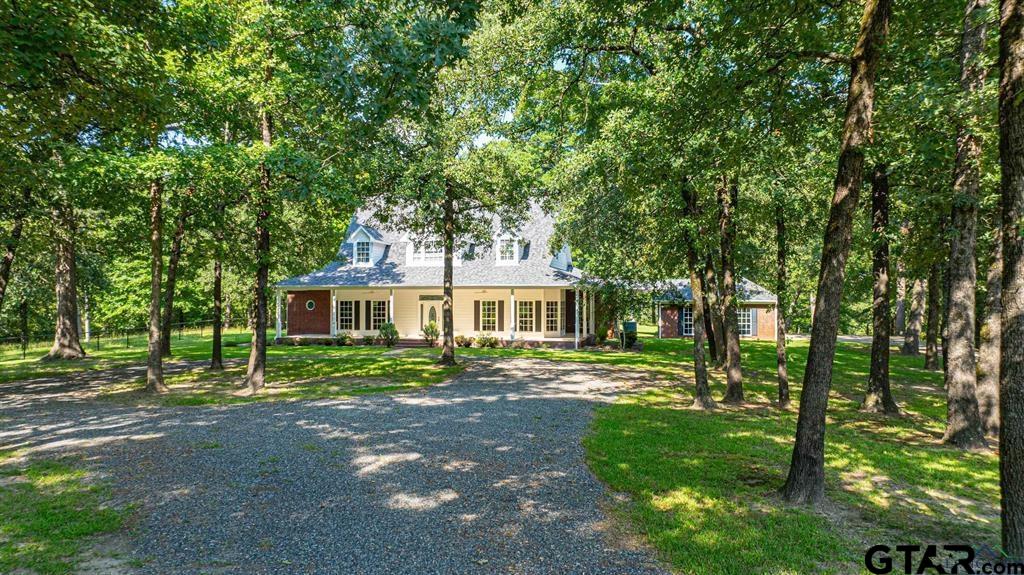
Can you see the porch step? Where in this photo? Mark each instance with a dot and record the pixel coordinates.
(407, 343)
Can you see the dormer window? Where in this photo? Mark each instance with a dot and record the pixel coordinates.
(507, 250)
(427, 252)
(362, 253)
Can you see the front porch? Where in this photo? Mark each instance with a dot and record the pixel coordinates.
(558, 316)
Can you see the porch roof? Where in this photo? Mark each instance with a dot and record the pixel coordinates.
(393, 273)
(746, 291)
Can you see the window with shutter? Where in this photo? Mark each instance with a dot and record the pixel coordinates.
(488, 316)
(525, 315)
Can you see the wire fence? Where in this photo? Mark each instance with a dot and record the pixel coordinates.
(122, 337)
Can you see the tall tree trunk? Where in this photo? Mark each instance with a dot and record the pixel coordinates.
(66, 342)
(702, 392)
(172, 279)
(728, 194)
(988, 354)
(154, 363)
(963, 419)
(712, 291)
(931, 342)
(709, 328)
(217, 353)
(806, 480)
(1011, 363)
(11, 245)
(944, 329)
(912, 335)
(447, 320)
(780, 305)
(879, 395)
(900, 319)
(257, 369)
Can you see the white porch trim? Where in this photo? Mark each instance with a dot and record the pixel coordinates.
(277, 320)
(334, 313)
(576, 302)
(513, 315)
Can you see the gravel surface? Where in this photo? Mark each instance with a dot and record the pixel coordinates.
(484, 474)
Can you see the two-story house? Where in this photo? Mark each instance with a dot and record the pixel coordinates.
(511, 287)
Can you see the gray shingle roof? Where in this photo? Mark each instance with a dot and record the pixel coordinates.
(535, 268)
(746, 290)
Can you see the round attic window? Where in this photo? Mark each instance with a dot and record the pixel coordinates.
(310, 304)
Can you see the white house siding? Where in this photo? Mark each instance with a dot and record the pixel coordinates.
(406, 311)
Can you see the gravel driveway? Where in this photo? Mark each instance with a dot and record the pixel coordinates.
(484, 474)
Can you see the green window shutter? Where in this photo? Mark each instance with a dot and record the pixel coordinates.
(369, 313)
(538, 310)
(476, 315)
(501, 315)
(355, 315)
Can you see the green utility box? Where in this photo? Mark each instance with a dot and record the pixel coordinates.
(627, 335)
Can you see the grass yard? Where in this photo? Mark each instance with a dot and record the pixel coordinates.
(48, 512)
(296, 373)
(703, 484)
(306, 372)
(110, 353)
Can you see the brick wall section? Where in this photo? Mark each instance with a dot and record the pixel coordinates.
(765, 322)
(301, 321)
(669, 321)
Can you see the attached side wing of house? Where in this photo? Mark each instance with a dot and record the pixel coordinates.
(755, 310)
(512, 287)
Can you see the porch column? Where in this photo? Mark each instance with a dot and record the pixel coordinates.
(334, 314)
(513, 315)
(277, 321)
(391, 306)
(576, 300)
(586, 314)
(659, 320)
(593, 314)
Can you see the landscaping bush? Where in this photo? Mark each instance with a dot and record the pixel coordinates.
(463, 341)
(343, 339)
(389, 334)
(487, 341)
(431, 333)
(367, 340)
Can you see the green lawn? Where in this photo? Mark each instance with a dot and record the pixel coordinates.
(703, 484)
(305, 372)
(109, 353)
(309, 372)
(47, 512)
